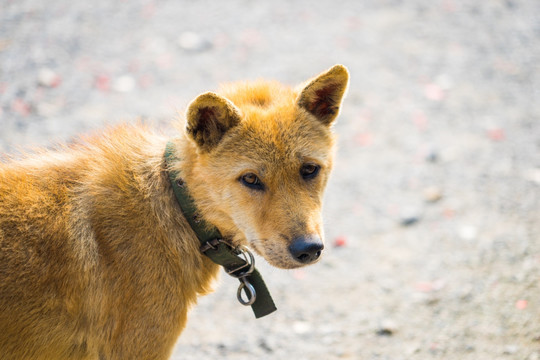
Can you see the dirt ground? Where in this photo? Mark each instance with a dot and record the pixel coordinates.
(433, 211)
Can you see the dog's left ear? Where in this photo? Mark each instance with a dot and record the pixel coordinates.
(322, 96)
(209, 117)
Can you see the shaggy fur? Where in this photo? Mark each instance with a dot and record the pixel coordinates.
(96, 258)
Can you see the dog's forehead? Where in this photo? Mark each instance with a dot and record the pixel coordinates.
(279, 140)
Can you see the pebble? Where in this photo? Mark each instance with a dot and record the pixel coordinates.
(263, 344)
(510, 349)
(430, 286)
(432, 194)
(48, 78)
(409, 216)
(192, 41)
(102, 82)
(468, 232)
(434, 92)
(496, 134)
(432, 156)
(521, 304)
(301, 327)
(340, 241)
(124, 84)
(532, 175)
(387, 328)
(21, 107)
(412, 349)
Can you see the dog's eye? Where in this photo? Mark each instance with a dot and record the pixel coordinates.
(309, 171)
(252, 181)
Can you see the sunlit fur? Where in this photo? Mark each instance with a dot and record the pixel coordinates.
(96, 259)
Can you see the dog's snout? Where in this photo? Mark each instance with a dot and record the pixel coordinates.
(306, 249)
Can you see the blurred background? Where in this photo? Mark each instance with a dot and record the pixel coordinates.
(433, 211)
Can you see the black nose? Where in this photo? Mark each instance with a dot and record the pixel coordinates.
(306, 249)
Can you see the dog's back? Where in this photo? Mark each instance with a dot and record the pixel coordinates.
(35, 259)
(87, 251)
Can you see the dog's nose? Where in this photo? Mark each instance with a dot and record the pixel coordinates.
(306, 249)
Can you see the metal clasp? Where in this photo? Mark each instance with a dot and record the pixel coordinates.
(241, 272)
(211, 244)
(249, 289)
(248, 258)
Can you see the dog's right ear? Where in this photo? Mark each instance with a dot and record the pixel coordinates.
(209, 117)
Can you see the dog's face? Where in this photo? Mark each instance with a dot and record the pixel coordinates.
(266, 152)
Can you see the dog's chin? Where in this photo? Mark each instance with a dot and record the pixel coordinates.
(285, 265)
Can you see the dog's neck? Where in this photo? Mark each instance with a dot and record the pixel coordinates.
(190, 163)
(237, 261)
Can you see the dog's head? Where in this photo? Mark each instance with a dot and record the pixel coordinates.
(264, 152)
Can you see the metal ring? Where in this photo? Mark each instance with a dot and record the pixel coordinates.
(249, 263)
(250, 292)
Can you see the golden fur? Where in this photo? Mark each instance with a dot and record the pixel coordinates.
(96, 258)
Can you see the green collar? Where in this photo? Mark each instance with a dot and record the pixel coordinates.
(237, 261)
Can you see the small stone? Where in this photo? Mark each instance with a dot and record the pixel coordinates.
(21, 107)
(533, 175)
(468, 232)
(102, 82)
(510, 350)
(432, 156)
(432, 194)
(409, 216)
(263, 344)
(521, 304)
(496, 134)
(48, 78)
(301, 327)
(412, 349)
(340, 241)
(384, 332)
(124, 84)
(191, 41)
(387, 328)
(430, 286)
(434, 92)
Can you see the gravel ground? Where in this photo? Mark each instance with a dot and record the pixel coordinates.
(433, 212)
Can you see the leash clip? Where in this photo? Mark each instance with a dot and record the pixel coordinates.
(251, 294)
(249, 263)
(240, 272)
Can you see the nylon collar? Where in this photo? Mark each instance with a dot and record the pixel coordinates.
(237, 261)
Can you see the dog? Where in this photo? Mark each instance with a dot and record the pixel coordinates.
(98, 261)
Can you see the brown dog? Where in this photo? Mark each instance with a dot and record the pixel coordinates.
(96, 258)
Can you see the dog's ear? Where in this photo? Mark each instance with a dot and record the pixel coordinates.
(209, 117)
(322, 96)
